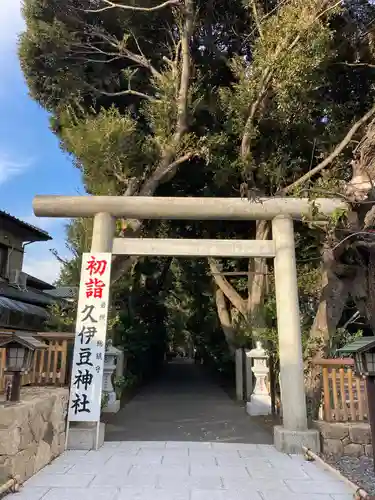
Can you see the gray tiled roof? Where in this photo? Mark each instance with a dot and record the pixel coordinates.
(31, 295)
(63, 292)
(25, 225)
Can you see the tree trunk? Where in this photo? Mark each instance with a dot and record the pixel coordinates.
(334, 295)
(257, 283)
(225, 320)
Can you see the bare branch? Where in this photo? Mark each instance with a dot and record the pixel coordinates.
(160, 173)
(56, 254)
(123, 92)
(358, 65)
(113, 5)
(182, 104)
(131, 187)
(338, 150)
(256, 18)
(102, 61)
(246, 137)
(120, 51)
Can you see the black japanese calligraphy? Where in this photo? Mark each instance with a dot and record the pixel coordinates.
(84, 357)
(80, 404)
(87, 333)
(88, 310)
(83, 379)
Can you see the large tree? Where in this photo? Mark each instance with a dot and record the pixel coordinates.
(212, 98)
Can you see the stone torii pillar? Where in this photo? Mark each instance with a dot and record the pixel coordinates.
(294, 433)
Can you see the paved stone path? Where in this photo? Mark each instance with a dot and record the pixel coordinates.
(183, 471)
(185, 405)
(183, 439)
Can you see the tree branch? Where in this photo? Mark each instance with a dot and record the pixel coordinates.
(232, 295)
(123, 92)
(359, 64)
(161, 173)
(168, 164)
(183, 95)
(256, 18)
(284, 48)
(113, 5)
(338, 150)
(121, 51)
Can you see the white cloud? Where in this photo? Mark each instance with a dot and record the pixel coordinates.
(46, 269)
(10, 168)
(45, 223)
(40, 262)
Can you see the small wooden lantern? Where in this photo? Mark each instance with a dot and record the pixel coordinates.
(19, 356)
(363, 351)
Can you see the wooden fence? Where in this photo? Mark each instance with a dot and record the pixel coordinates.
(344, 393)
(51, 366)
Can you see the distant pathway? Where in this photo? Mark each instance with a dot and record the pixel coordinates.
(184, 405)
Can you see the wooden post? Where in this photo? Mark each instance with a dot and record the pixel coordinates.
(15, 392)
(370, 385)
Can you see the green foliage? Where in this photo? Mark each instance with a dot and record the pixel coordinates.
(112, 83)
(104, 400)
(293, 46)
(108, 148)
(127, 381)
(62, 317)
(341, 337)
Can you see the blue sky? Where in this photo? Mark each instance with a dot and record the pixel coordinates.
(30, 159)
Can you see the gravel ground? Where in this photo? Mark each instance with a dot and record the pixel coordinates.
(359, 470)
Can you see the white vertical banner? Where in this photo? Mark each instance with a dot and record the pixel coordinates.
(90, 338)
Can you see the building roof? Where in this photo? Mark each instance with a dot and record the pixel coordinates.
(38, 283)
(64, 292)
(31, 295)
(42, 235)
(358, 345)
(23, 307)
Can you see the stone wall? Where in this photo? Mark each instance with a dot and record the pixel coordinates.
(32, 432)
(345, 438)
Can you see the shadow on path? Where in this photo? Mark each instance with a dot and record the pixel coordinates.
(184, 405)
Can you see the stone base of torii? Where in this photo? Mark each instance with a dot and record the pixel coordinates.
(294, 433)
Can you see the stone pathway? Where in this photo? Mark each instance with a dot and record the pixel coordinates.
(182, 471)
(184, 405)
(183, 438)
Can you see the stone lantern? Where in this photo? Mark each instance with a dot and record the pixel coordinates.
(19, 354)
(111, 356)
(260, 400)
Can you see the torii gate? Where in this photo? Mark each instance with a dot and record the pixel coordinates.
(294, 433)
